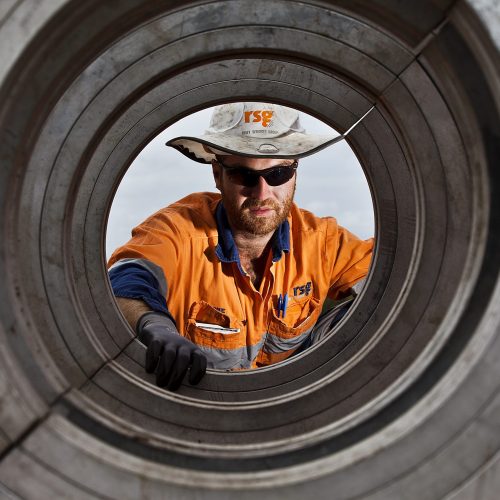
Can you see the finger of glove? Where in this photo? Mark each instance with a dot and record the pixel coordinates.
(166, 365)
(153, 353)
(180, 368)
(198, 367)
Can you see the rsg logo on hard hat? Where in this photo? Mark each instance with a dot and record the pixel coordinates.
(260, 129)
(259, 116)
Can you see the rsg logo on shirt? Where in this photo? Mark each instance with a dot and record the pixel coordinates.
(300, 290)
(259, 116)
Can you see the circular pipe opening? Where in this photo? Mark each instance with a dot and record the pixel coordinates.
(329, 183)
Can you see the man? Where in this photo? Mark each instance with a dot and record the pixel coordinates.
(236, 280)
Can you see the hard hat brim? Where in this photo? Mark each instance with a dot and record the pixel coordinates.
(294, 145)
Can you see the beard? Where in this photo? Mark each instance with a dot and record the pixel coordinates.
(244, 220)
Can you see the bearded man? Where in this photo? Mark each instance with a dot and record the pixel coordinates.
(237, 280)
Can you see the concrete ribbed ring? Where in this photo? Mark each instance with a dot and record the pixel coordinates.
(408, 381)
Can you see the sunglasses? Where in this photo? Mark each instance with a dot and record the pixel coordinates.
(274, 176)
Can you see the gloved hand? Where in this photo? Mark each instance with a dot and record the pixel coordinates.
(168, 353)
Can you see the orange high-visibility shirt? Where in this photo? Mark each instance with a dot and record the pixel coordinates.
(188, 246)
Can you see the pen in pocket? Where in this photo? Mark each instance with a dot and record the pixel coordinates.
(282, 305)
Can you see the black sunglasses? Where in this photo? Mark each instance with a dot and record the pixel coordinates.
(274, 176)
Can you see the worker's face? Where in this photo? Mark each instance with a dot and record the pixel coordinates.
(259, 209)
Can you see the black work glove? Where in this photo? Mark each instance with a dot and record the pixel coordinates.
(168, 353)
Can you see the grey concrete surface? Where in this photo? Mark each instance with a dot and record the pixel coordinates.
(401, 401)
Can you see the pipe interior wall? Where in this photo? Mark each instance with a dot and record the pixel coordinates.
(401, 400)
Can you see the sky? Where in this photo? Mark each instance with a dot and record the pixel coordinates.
(329, 183)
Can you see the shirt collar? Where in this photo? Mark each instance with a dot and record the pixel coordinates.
(226, 249)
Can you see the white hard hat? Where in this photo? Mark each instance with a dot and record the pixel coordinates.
(255, 129)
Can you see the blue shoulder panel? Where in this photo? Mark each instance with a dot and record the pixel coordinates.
(133, 281)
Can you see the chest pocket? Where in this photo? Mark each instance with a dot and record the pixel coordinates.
(206, 326)
(300, 317)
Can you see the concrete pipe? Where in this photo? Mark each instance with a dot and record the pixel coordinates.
(401, 400)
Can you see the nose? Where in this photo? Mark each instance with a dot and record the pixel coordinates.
(262, 190)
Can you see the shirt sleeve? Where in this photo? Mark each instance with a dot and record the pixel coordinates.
(144, 267)
(352, 260)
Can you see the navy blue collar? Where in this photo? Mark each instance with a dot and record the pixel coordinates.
(226, 249)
